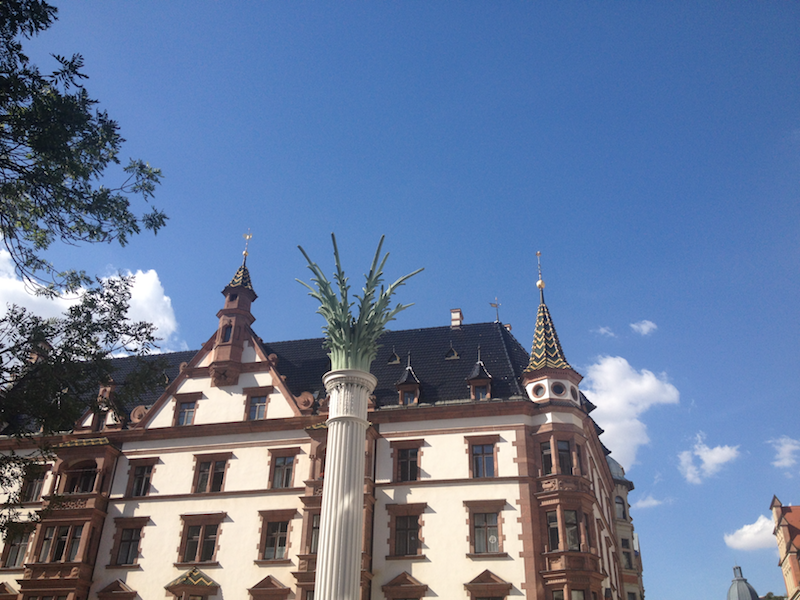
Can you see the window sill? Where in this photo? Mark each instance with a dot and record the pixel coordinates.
(133, 567)
(407, 557)
(209, 563)
(275, 561)
(19, 569)
(490, 555)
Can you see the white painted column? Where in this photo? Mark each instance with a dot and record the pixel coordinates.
(341, 527)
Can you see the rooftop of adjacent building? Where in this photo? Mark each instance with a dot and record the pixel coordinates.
(740, 589)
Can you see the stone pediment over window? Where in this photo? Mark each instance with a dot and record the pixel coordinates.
(116, 590)
(269, 588)
(404, 586)
(193, 583)
(7, 592)
(488, 585)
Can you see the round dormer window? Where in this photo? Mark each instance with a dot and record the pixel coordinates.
(558, 389)
(538, 390)
(574, 393)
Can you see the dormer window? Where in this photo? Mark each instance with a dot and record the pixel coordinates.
(480, 381)
(408, 386)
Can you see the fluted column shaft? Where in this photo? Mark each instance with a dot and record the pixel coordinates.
(342, 519)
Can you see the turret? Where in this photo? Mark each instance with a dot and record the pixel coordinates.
(548, 375)
(234, 324)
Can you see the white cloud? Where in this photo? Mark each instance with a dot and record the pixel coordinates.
(148, 302)
(711, 460)
(753, 536)
(622, 395)
(787, 452)
(644, 327)
(606, 331)
(647, 502)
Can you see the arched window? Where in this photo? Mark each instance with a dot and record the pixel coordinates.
(620, 506)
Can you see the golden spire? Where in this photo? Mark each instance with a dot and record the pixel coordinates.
(540, 283)
(247, 237)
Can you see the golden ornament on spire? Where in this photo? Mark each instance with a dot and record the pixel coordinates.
(247, 237)
(540, 283)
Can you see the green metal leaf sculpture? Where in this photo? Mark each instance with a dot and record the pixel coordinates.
(353, 341)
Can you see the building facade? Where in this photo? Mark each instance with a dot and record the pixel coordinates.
(787, 534)
(485, 477)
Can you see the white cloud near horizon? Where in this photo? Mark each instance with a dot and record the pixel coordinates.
(647, 502)
(149, 301)
(787, 452)
(754, 536)
(711, 460)
(644, 327)
(606, 331)
(622, 396)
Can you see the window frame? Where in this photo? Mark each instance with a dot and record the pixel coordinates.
(122, 524)
(70, 542)
(565, 462)
(41, 471)
(180, 400)
(133, 465)
(405, 511)
(402, 445)
(483, 507)
(275, 454)
(484, 440)
(620, 507)
(271, 517)
(203, 521)
(20, 548)
(212, 460)
(251, 394)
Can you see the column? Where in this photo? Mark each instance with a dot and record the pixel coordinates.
(342, 520)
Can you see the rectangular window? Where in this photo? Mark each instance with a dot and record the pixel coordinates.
(275, 546)
(587, 523)
(407, 464)
(141, 480)
(276, 529)
(552, 531)
(483, 460)
(201, 542)
(15, 547)
(34, 483)
(580, 458)
(547, 459)
(186, 411)
(631, 595)
(210, 476)
(81, 481)
(60, 543)
(129, 546)
(314, 543)
(408, 397)
(481, 392)
(558, 594)
(257, 408)
(627, 561)
(564, 458)
(571, 529)
(282, 471)
(577, 595)
(485, 529)
(406, 535)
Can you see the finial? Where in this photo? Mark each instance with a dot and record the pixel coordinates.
(496, 306)
(479, 353)
(408, 366)
(247, 237)
(540, 283)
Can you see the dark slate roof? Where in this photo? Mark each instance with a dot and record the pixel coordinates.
(408, 376)
(170, 363)
(304, 362)
(478, 372)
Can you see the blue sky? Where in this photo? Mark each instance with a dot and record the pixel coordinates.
(651, 151)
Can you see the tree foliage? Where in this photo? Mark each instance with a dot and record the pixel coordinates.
(55, 146)
(353, 341)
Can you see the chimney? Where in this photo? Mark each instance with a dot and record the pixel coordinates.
(456, 318)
